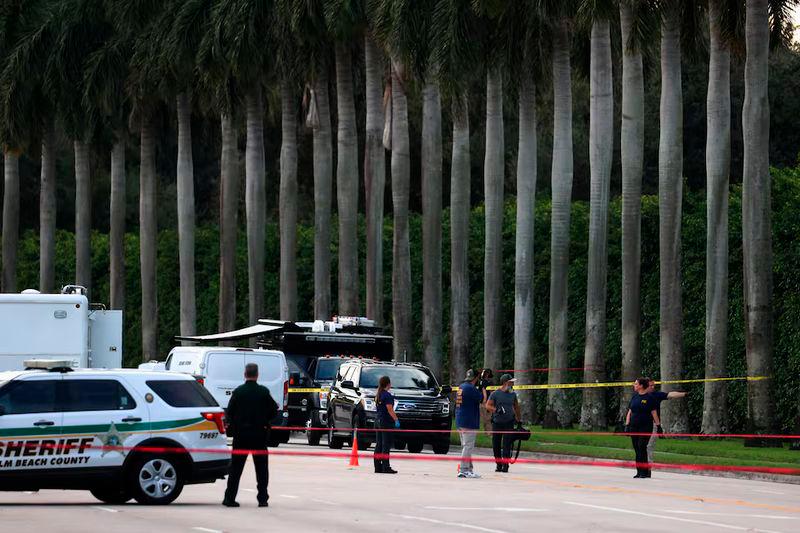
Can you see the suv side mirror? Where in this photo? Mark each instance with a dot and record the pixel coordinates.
(348, 385)
(446, 389)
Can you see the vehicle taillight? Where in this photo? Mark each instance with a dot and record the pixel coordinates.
(218, 418)
(285, 395)
(200, 379)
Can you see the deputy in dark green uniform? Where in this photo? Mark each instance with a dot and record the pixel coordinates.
(250, 411)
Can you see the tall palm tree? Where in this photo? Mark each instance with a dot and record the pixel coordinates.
(670, 184)
(288, 203)
(374, 174)
(455, 52)
(634, 17)
(10, 219)
(718, 165)
(308, 25)
(47, 210)
(83, 215)
(345, 20)
(601, 130)
(561, 190)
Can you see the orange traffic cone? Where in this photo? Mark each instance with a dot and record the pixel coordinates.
(354, 452)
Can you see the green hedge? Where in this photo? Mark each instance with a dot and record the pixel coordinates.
(786, 199)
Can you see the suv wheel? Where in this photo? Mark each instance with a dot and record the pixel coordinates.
(415, 447)
(441, 448)
(111, 495)
(334, 442)
(363, 441)
(155, 479)
(313, 435)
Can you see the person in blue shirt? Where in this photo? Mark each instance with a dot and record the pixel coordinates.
(387, 421)
(468, 421)
(639, 420)
(658, 397)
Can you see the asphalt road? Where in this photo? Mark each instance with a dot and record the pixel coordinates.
(318, 494)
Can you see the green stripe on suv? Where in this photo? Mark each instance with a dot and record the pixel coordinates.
(99, 428)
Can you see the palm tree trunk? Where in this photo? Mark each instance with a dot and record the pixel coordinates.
(117, 224)
(674, 415)
(718, 167)
(47, 210)
(523, 264)
(288, 205)
(83, 216)
(632, 155)
(148, 240)
(756, 218)
(255, 199)
(459, 240)
(229, 206)
(558, 412)
(601, 131)
(432, 228)
(347, 183)
(185, 175)
(401, 257)
(10, 221)
(323, 170)
(493, 177)
(374, 177)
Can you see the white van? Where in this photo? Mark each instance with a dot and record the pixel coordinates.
(221, 369)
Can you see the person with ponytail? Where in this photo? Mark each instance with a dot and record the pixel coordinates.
(385, 422)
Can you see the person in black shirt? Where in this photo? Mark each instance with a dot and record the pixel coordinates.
(487, 376)
(658, 397)
(250, 411)
(641, 416)
(387, 421)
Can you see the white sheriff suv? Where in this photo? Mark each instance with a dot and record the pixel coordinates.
(120, 434)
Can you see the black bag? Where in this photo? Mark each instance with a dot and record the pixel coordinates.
(520, 434)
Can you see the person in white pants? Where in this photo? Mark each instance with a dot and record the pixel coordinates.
(468, 421)
(658, 397)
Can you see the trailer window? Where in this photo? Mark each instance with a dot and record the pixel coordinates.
(182, 393)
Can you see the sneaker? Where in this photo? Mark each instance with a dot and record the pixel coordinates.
(473, 475)
(463, 474)
(499, 468)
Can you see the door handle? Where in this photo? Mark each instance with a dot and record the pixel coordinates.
(41, 423)
(132, 419)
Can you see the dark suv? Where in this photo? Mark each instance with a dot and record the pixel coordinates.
(421, 404)
(323, 374)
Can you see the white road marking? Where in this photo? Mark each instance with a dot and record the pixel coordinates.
(290, 496)
(506, 509)
(198, 528)
(106, 509)
(735, 515)
(667, 517)
(765, 491)
(324, 502)
(451, 524)
(249, 490)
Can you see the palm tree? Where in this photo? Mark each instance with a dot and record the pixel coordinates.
(455, 52)
(10, 219)
(374, 174)
(601, 129)
(308, 25)
(756, 225)
(288, 203)
(634, 16)
(562, 164)
(718, 164)
(345, 19)
(47, 210)
(83, 215)
(670, 183)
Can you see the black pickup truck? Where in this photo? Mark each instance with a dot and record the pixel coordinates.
(421, 404)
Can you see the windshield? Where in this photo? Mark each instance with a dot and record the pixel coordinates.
(327, 368)
(401, 377)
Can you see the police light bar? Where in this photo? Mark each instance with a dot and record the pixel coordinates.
(49, 364)
(354, 321)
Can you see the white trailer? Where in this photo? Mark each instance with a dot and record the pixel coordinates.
(58, 326)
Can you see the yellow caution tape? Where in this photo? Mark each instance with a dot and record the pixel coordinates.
(624, 383)
(311, 389)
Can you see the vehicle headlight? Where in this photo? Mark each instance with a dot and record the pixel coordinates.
(370, 405)
(445, 406)
(323, 400)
